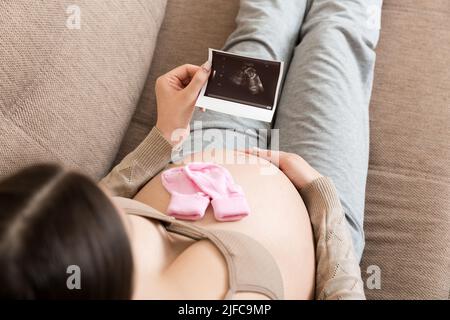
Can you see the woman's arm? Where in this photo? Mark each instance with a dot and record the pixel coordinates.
(150, 157)
(176, 93)
(338, 275)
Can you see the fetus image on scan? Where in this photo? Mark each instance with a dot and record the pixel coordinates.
(243, 80)
(247, 77)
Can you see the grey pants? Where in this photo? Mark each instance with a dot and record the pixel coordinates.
(323, 110)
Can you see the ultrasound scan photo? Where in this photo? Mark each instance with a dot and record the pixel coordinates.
(243, 80)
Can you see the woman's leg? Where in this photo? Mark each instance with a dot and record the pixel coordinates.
(266, 29)
(323, 113)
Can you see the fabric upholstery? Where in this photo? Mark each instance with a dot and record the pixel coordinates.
(67, 95)
(408, 192)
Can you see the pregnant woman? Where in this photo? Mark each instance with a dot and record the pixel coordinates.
(303, 238)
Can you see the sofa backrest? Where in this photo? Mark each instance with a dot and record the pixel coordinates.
(70, 79)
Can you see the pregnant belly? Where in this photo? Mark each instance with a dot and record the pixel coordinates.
(278, 219)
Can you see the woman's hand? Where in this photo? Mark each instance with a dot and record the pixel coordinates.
(176, 93)
(292, 165)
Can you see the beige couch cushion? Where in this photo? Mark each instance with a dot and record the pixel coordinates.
(408, 196)
(68, 95)
(408, 192)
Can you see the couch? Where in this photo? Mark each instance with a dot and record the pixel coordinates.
(84, 97)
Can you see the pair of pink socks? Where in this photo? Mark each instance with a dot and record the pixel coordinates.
(195, 185)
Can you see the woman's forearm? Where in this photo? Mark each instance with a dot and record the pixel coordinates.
(338, 275)
(137, 168)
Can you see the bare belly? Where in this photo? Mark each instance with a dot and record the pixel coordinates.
(278, 220)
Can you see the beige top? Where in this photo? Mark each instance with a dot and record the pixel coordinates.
(251, 268)
(338, 275)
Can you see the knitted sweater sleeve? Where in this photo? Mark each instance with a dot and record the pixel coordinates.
(137, 168)
(338, 275)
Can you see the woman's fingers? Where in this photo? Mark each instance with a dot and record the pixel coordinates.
(198, 81)
(184, 72)
(269, 155)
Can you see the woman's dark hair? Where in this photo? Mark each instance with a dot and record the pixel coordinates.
(52, 219)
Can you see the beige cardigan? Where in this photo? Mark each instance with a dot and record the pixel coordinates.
(338, 275)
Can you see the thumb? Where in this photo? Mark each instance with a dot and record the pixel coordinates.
(198, 80)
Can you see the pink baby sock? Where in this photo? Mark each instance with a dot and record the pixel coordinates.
(228, 199)
(188, 202)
